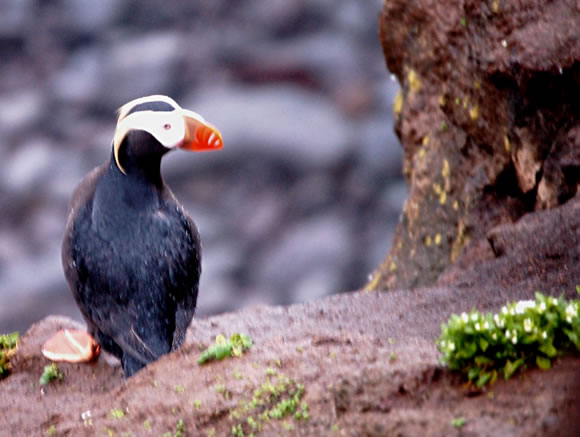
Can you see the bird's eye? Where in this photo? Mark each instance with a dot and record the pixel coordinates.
(166, 126)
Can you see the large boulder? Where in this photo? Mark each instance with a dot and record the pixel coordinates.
(489, 119)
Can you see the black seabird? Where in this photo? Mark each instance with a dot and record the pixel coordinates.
(131, 254)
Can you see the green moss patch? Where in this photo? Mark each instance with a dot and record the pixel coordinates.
(51, 373)
(523, 333)
(8, 345)
(278, 397)
(235, 346)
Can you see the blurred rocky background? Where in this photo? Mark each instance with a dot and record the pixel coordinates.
(299, 204)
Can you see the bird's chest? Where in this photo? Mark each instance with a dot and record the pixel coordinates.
(153, 239)
(135, 251)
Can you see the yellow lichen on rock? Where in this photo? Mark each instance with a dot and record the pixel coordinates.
(461, 240)
(445, 169)
(398, 103)
(372, 284)
(413, 80)
(437, 239)
(474, 113)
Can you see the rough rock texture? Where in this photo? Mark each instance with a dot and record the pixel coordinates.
(365, 372)
(489, 119)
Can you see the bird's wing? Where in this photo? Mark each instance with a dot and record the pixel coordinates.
(82, 195)
(189, 259)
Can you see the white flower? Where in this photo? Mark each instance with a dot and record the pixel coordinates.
(474, 317)
(465, 317)
(494, 336)
(544, 335)
(553, 300)
(451, 346)
(528, 325)
(477, 327)
(542, 307)
(569, 319)
(515, 340)
(571, 310)
(486, 325)
(522, 305)
(504, 309)
(507, 333)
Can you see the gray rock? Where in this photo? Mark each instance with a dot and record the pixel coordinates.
(379, 149)
(216, 295)
(90, 15)
(80, 80)
(15, 17)
(139, 65)
(316, 284)
(28, 166)
(281, 121)
(394, 197)
(20, 110)
(303, 248)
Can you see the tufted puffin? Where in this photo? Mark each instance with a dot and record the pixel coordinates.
(131, 254)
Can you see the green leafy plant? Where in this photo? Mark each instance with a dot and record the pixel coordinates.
(117, 413)
(458, 422)
(523, 333)
(51, 373)
(235, 346)
(8, 345)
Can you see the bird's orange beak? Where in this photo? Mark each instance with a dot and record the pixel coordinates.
(199, 134)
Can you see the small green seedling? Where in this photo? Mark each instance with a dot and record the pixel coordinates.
(458, 422)
(51, 373)
(117, 413)
(235, 346)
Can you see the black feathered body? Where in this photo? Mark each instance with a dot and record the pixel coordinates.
(132, 258)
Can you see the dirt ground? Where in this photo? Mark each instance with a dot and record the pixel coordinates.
(366, 361)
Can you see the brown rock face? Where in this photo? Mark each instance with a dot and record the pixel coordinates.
(367, 362)
(489, 119)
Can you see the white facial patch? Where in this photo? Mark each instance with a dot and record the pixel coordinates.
(166, 127)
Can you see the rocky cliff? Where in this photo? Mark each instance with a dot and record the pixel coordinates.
(488, 120)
